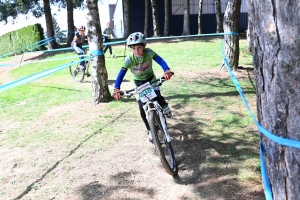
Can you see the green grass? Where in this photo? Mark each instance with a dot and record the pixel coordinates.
(193, 56)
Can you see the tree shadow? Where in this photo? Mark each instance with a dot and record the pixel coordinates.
(208, 162)
(95, 190)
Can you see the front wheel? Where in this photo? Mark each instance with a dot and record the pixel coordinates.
(76, 72)
(162, 146)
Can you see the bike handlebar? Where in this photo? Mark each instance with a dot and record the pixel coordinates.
(159, 81)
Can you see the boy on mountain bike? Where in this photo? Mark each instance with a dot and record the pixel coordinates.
(77, 42)
(139, 62)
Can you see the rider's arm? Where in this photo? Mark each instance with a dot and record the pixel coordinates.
(161, 62)
(120, 78)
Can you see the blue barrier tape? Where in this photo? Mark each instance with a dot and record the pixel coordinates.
(6, 65)
(119, 42)
(52, 59)
(174, 37)
(52, 50)
(265, 179)
(46, 60)
(37, 75)
(96, 53)
(277, 139)
(268, 191)
(45, 42)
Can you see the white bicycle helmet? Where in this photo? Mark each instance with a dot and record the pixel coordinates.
(136, 38)
(81, 28)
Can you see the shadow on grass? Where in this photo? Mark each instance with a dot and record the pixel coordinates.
(208, 161)
(95, 190)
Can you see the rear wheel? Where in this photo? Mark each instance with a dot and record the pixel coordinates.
(76, 72)
(162, 146)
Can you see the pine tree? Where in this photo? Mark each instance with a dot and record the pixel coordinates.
(55, 25)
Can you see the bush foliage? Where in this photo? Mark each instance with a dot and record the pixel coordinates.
(22, 40)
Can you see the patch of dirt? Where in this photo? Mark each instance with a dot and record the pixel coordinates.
(126, 169)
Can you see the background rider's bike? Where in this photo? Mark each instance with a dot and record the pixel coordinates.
(157, 122)
(78, 72)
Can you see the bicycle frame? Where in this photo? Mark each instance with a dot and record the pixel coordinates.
(153, 105)
(157, 122)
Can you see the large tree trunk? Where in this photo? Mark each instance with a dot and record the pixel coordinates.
(219, 16)
(231, 24)
(49, 24)
(200, 17)
(70, 20)
(99, 73)
(166, 28)
(126, 18)
(274, 31)
(156, 30)
(146, 18)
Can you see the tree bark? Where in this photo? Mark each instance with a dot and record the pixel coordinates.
(99, 73)
(70, 19)
(146, 18)
(200, 17)
(219, 17)
(186, 18)
(274, 31)
(126, 18)
(166, 28)
(156, 30)
(231, 41)
(248, 44)
(49, 24)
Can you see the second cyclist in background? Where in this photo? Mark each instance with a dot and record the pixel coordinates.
(77, 42)
(107, 33)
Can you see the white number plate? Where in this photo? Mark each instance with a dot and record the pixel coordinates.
(145, 92)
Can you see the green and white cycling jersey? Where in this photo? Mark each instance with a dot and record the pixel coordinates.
(141, 68)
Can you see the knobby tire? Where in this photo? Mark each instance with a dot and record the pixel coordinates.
(76, 73)
(163, 147)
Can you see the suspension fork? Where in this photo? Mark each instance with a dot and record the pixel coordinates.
(155, 106)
